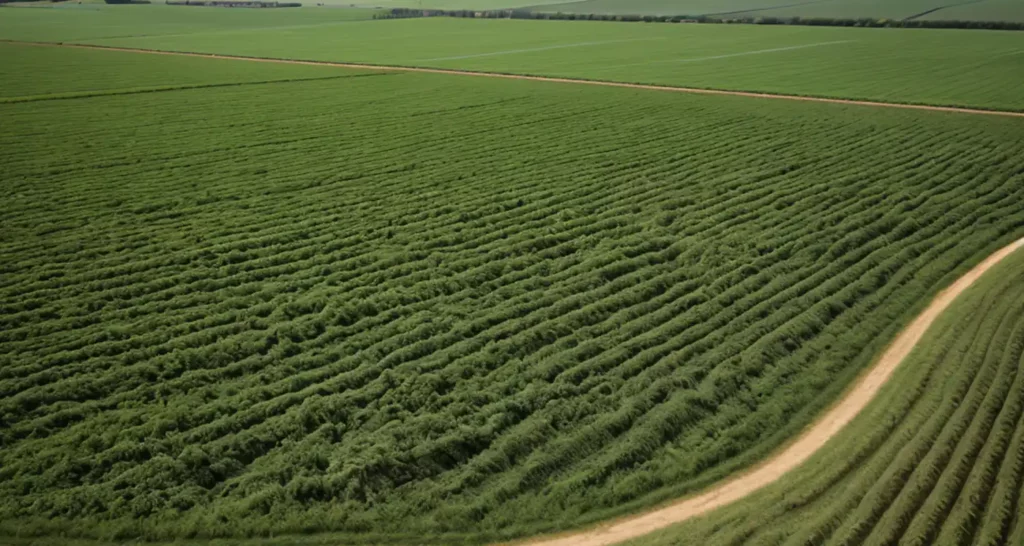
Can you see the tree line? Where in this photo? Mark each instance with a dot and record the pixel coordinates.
(401, 13)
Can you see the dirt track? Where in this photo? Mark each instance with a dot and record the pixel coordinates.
(817, 434)
(538, 78)
(811, 440)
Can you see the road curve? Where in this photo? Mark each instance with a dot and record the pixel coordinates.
(536, 78)
(811, 440)
(817, 434)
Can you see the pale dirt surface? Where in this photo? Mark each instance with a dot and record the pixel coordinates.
(537, 78)
(811, 440)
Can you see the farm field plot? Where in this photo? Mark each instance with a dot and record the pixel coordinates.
(943, 67)
(661, 7)
(985, 10)
(439, 4)
(421, 307)
(937, 459)
(76, 22)
(993, 10)
(113, 72)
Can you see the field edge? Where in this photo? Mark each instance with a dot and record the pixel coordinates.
(748, 93)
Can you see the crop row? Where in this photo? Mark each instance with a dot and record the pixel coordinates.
(938, 457)
(414, 303)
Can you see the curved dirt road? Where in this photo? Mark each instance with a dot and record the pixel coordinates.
(810, 441)
(536, 78)
(817, 434)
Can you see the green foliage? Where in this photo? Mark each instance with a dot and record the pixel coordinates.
(963, 68)
(69, 21)
(467, 309)
(897, 10)
(938, 457)
(121, 73)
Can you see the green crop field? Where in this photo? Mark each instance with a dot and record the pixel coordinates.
(668, 7)
(993, 10)
(986, 10)
(944, 67)
(70, 22)
(938, 458)
(438, 4)
(412, 307)
(113, 72)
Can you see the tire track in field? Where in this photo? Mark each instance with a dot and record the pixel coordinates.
(940, 8)
(166, 88)
(767, 8)
(807, 444)
(531, 50)
(730, 55)
(552, 79)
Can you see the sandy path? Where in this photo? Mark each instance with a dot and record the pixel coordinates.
(810, 441)
(819, 432)
(536, 78)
